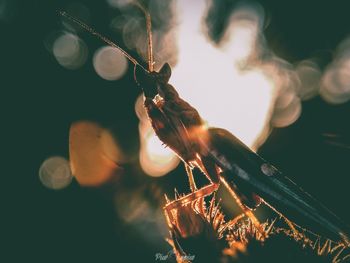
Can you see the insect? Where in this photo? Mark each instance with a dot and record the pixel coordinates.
(222, 157)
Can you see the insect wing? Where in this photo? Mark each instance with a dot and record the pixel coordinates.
(250, 173)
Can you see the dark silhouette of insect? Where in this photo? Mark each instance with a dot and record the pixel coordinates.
(221, 156)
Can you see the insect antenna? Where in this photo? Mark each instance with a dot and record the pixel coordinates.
(101, 37)
(149, 36)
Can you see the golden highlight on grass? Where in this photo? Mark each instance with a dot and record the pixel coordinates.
(200, 230)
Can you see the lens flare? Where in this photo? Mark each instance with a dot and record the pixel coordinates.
(155, 159)
(310, 78)
(210, 80)
(94, 154)
(288, 114)
(229, 83)
(335, 87)
(335, 83)
(287, 103)
(70, 51)
(109, 63)
(140, 109)
(55, 173)
(240, 41)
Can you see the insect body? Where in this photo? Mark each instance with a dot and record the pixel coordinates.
(222, 157)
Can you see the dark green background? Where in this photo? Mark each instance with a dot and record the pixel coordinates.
(40, 100)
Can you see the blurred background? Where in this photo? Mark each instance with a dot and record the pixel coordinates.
(85, 177)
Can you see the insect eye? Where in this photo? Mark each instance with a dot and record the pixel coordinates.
(158, 100)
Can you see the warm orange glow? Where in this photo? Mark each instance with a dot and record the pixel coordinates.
(93, 154)
(155, 159)
(212, 80)
(228, 83)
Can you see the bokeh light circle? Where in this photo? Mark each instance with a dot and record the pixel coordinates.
(55, 173)
(70, 51)
(109, 63)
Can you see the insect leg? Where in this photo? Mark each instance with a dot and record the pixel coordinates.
(184, 200)
(245, 210)
(193, 186)
(290, 223)
(212, 171)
